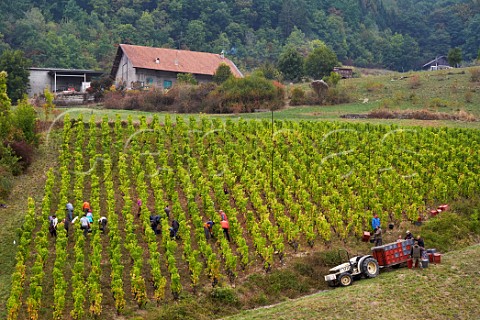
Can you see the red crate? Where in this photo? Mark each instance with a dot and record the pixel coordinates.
(443, 207)
(366, 236)
(409, 263)
(437, 258)
(430, 257)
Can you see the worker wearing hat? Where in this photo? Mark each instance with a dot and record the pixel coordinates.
(409, 235)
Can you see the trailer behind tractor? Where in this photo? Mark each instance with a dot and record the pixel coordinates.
(367, 266)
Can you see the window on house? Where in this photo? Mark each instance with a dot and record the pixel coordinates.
(167, 84)
(149, 81)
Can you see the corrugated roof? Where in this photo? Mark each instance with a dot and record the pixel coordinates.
(173, 60)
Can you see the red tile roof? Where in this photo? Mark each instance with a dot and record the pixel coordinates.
(173, 60)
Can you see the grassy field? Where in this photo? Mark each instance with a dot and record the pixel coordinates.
(450, 290)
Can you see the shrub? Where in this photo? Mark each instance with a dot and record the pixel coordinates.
(413, 98)
(271, 72)
(187, 98)
(437, 103)
(25, 119)
(469, 97)
(48, 106)
(337, 96)
(184, 309)
(113, 100)
(251, 92)
(331, 258)
(475, 75)
(133, 100)
(24, 152)
(186, 78)
(447, 232)
(414, 82)
(6, 184)
(184, 97)
(224, 295)
(333, 79)
(156, 100)
(99, 88)
(222, 73)
(298, 97)
(8, 160)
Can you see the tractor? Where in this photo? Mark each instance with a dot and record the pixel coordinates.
(356, 267)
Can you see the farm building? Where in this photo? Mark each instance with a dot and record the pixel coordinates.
(439, 63)
(138, 66)
(58, 80)
(345, 73)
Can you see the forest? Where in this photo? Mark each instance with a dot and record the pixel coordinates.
(397, 35)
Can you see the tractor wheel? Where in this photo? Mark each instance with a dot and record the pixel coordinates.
(370, 268)
(345, 279)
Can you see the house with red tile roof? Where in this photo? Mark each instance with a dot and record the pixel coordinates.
(139, 66)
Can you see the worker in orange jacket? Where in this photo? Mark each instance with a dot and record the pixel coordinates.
(86, 207)
(225, 226)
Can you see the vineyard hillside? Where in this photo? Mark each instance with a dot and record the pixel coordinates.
(292, 192)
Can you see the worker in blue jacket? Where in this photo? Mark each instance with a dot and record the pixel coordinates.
(375, 222)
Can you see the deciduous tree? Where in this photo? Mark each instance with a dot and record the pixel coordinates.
(454, 57)
(290, 64)
(16, 66)
(222, 73)
(320, 62)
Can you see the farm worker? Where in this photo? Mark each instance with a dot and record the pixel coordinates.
(174, 229)
(69, 212)
(378, 236)
(225, 226)
(421, 243)
(139, 204)
(90, 216)
(102, 223)
(409, 235)
(207, 227)
(167, 211)
(53, 225)
(66, 225)
(375, 222)
(84, 224)
(154, 222)
(416, 254)
(86, 207)
(223, 216)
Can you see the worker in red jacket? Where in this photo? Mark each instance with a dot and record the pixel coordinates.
(223, 215)
(225, 226)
